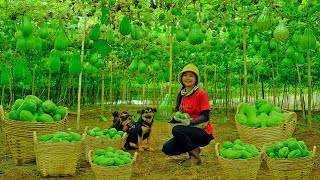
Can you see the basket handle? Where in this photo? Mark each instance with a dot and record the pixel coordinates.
(35, 136)
(291, 114)
(1, 113)
(134, 156)
(314, 151)
(217, 148)
(89, 157)
(238, 107)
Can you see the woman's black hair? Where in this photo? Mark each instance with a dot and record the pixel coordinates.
(179, 98)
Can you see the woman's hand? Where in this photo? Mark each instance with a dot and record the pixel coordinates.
(185, 122)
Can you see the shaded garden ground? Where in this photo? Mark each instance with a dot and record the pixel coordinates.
(155, 165)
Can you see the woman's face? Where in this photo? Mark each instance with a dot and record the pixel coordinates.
(189, 79)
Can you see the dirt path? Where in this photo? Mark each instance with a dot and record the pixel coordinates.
(155, 165)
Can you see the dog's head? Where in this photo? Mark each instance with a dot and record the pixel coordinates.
(116, 116)
(126, 121)
(147, 115)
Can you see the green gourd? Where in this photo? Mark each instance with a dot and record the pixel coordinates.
(44, 32)
(125, 26)
(94, 33)
(54, 61)
(110, 37)
(281, 32)
(75, 64)
(308, 40)
(136, 33)
(61, 41)
(20, 70)
(26, 26)
(5, 76)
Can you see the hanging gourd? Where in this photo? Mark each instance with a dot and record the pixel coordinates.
(156, 65)
(181, 35)
(264, 21)
(281, 32)
(195, 35)
(110, 37)
(133, 66)
(61, 41)
(44, 32)
(20, 70)
(308, 40)
(166, 75)
(100, 64)
(273, 44)
(94, 58)
(298, 58)
(125, 26)
(287, 62)
(160, 75)
(264, 50)
(104, 18)
(142, 67)
(54, 61)
(185, 24)
(256, 41)
(28, 79)
(290, 52)
(5, 76)
(75, 64)
(26, 26)
(136, 33)
(296, 38)
(112, 2)
(94, 33)
(140, 79)
(175, 48)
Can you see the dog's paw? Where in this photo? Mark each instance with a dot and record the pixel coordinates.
(141, 149)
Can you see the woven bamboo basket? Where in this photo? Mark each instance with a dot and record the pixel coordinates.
(123, 172)
(239, 169)
(93, 143)
(268, 135)
(287, 169)
(56, 159)
(19, 136)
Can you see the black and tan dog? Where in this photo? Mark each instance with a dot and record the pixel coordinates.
(124, 122)
(140, 131)
(116, 116)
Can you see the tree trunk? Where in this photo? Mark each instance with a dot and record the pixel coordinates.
(245, 63)
(309, 89)
(80, 75)
(302, 104)
(215, 86)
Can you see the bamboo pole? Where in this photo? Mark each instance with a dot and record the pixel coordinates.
(49, 82)
(111, 78)
(102, 94)
(80, 75)
(170, 63)
(245, 63)
(215, 86)
(309, 89)
(301, 94)
(205, 73)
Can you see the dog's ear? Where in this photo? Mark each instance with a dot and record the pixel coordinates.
(138, 112)
(154, 110)
(115, 114)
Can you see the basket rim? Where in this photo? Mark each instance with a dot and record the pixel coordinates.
(293, 114)
(95, 165)
(217, 145)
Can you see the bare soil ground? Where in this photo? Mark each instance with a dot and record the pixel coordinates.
(156, 165)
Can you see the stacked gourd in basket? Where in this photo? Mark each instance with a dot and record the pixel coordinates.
(97, 138)
(57, 154)
(290, 159)
(110, 162)
(28, 115)
(263, 123)
(239, 160)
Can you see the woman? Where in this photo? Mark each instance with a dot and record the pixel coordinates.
(197, 132)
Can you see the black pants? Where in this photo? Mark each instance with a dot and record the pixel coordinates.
(185, 139)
